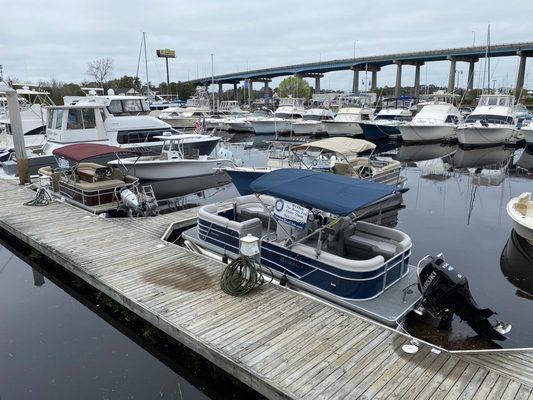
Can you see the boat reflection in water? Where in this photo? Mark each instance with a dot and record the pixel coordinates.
(516, 263)
(423, 152)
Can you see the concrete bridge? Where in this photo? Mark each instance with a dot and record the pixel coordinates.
(374, 64)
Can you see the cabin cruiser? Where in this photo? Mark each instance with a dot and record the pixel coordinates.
(94, 187)
(437, 120)
(290, 109)
(395, 112)
(346, 122)
(243, 124)
(312, 122)
(197, 107)
(491, 122)
(111, 120)
(341, 156)
(33, 116)
(520, 209)
(227, 111)
(172, 163)
(305, 228)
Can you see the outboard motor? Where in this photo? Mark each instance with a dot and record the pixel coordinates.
(445, 292)
(129, 199)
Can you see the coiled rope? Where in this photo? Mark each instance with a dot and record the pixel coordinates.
(241, 276)
(43, 198)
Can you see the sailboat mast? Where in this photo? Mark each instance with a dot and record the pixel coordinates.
(213, 82)
(488, 59)
(146, 61)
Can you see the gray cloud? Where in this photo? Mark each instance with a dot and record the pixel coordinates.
(56, 39)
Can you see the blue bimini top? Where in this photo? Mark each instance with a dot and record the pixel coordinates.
(337, 194)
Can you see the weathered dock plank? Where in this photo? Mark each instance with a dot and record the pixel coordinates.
(279, 342)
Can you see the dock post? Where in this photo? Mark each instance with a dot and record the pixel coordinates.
(38, 278)
(521, 74)
(451, 78)
(471, 70)
(398, 87)
(16, 130)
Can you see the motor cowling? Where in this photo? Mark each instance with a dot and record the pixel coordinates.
(445, 292)
(129, 199)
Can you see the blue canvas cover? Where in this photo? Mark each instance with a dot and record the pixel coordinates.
(339, 195)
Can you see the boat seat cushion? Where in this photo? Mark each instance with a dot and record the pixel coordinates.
(360, 243)
(209, 213)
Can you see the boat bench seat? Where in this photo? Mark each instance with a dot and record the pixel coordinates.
(249, 207)
(366, 238)
(209, 214)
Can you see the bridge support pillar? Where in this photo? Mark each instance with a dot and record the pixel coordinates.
(451, 78)
(521, 74)
(471, 70)
(417, 79)
(235, 92)
(355, 82)
(220, 90)
(398, 87)
(317, 84)
(374, 85)
(250, 91)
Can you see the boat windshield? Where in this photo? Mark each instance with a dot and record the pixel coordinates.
(504, 101)
(493, 119)
(128, 107)
(287, 115)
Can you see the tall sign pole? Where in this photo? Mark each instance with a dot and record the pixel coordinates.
(166, 54)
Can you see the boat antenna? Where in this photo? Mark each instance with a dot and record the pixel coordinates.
(213, 82)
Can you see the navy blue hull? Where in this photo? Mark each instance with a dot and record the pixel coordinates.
(242, 180)
(377, 131)
(346, 285)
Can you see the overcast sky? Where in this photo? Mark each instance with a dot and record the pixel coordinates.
(40, 40)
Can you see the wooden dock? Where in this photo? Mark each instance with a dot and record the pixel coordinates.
(283, 344)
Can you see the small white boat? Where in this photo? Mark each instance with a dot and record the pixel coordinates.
(243, 124)
(346, 122)
(197, 107)
(171, 163)
(520, 209)
(436, 120)
(492, 121)
(527, 131)
(312, 122)
(289, 111)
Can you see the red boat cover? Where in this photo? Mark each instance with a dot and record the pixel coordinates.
(81, 151)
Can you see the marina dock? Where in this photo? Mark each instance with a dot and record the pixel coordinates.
(283, 344)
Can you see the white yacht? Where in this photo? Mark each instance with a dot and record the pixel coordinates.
(111, 120)
(395, 112)
(312, 122)
(32, 105)
(227, 111)
(197, 107)
(492, 121)
(243, 124)
(346, 122)
(290, 109)
(437, 120)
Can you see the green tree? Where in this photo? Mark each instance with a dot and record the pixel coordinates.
(294, 86)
